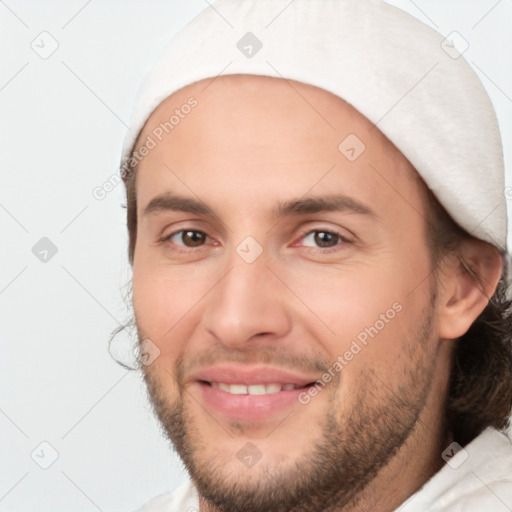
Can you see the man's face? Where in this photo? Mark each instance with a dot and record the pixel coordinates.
(272, 260)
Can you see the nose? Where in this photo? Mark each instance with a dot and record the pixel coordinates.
(248, 302)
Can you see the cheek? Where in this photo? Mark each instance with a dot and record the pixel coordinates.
(165, 309)
(362, 313)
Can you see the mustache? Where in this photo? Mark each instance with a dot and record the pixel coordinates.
(275, 356)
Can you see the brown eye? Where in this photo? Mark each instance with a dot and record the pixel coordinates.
(188, 238)
(323, 239)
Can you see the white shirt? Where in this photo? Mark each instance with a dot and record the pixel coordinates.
(476, 479)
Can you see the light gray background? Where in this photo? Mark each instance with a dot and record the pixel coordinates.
(62, 121)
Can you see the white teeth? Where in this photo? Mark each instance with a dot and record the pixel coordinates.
(238, 389)
(253, 389)
(274, 388)
(256, 389)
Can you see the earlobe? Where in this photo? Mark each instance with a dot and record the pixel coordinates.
(471, 282)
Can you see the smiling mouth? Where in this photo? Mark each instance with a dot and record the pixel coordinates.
(255, 389)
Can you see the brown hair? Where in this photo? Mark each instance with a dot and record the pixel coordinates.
(129, 177)
(480, 393)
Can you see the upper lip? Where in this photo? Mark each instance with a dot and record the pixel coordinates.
(250, 375)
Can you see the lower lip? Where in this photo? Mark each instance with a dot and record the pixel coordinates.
(248, 407)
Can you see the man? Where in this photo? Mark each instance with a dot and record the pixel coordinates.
(317, 227)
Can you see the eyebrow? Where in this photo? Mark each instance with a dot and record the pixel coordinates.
(302, 206)
(172, 202)
(329, 203)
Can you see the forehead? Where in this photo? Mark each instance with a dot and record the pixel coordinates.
(256, 137)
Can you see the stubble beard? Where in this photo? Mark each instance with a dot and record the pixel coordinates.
(340, 463)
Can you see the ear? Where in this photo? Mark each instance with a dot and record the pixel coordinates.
(468, 281)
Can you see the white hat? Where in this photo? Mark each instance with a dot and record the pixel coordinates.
(407, 79)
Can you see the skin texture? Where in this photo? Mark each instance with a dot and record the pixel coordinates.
(373, 434)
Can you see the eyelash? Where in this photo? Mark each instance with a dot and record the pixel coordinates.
(342, 240)
(177, 248)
